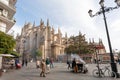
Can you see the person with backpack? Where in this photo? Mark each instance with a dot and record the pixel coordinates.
(48, 65)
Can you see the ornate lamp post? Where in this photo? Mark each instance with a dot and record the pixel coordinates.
(79, 42)
(102, 10)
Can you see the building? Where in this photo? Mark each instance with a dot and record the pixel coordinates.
(98, 46)
(99, 52)
(7, 11)
(42, 38)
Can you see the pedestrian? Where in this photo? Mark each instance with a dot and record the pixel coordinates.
(95, 61)
(22, 62)
(26, 62)
(119, 61)
(68, 63)
(37, 64)
(74, 65)
(48, 65)
(43, 68)
(51, 63)
(17, 63)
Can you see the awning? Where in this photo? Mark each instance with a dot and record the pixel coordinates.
(7, 55)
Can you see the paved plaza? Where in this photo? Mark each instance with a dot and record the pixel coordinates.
(59, 72)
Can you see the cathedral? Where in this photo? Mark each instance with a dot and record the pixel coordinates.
(42, 38)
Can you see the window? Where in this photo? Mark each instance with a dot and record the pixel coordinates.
(2, 27)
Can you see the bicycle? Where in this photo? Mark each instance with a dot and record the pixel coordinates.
(102, 72)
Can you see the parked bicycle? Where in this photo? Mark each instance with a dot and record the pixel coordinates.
(103, 72)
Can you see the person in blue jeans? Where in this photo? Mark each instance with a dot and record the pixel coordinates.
(51, 63)
(16, 63)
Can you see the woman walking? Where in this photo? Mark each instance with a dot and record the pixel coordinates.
(43, 67)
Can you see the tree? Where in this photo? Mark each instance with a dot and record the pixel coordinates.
(119, 54)
(7, 43)
(38, 54)
(15, 53)
(78, 44)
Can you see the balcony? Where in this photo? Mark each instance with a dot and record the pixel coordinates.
(9, 22)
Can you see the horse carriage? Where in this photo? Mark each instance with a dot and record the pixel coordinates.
(80, 65)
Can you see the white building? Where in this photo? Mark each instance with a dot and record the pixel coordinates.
(7, 11)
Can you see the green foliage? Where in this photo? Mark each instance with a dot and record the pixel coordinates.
(119, 54)
(7, 43)
(78, 44)
(15, 54)
(38, 53)
(70, 49)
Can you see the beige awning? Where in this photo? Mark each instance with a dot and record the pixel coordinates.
(7, 55)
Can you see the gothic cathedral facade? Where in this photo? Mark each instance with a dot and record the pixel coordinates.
(42, 38)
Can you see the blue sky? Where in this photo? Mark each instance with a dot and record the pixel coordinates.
(71, 16)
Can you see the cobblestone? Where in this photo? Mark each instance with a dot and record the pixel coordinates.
(59, 72)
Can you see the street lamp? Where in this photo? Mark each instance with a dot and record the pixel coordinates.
(102, 10)
(79, 42)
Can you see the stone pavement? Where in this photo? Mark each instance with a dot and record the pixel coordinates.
(59, 72)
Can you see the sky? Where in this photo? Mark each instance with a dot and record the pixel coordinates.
(71, 16)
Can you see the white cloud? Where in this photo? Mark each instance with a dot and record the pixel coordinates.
(116, 26)
(115, 31)
(72, 16)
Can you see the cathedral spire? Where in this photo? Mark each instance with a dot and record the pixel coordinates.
(89, 40)
(53, 29)
(40, 21)
(34, 24)
(47, 22)
(93, 40)
(100, 41)
(66, 35)
(80, 33)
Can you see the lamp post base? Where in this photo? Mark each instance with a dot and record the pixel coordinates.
(114, 69)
